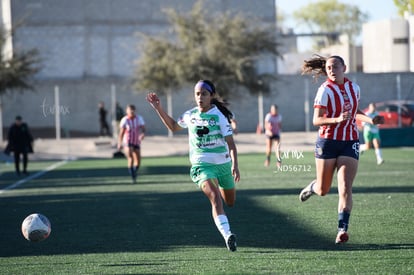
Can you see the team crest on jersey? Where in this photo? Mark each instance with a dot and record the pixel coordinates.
(347, 106)
(212, 122)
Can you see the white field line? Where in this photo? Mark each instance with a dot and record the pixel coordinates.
(34, 176)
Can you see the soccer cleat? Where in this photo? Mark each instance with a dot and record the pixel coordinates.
(279, 163)
(341, 237)
(380, 161)
(306, 192)
(231, 243)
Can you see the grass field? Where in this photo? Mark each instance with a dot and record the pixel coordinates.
(102, 224)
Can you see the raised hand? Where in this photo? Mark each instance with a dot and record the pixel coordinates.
(154, 100)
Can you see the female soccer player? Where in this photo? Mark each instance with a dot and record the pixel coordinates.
(337, 146)
(132, 132)
(273, 126)
(213, 153)
(371, 135)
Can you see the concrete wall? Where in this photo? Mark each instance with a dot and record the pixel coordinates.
(79, 99)
(98, 38)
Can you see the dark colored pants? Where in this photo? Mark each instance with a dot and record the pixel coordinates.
(17, 161)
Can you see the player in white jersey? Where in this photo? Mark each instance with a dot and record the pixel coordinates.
(371, 135)
(132, 132)
(213, 153)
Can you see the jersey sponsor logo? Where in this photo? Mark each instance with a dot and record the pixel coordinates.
(202, 130)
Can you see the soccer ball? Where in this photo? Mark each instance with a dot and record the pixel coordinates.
(36, 227)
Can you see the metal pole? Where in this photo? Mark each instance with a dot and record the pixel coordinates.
(57, 113)
(261, 112)
(398, 80)
(113, 112)
(306, 107)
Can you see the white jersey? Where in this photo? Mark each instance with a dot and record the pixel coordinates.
(206, 135)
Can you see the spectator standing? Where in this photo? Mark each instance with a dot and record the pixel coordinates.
(104, 127)
(20, 143)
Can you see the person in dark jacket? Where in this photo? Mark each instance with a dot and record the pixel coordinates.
(102, 120)
(20, 143)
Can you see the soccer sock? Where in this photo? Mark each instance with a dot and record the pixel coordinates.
(311, 187)
(223, 225)
(131, 171)
(343, 220)
(362, 147)
(378, 154)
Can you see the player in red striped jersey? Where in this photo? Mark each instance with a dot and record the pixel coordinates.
(337, 146)
(132, 132)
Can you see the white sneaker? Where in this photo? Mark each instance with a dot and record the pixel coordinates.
(380, 161)
(231, 243)
(306, 192)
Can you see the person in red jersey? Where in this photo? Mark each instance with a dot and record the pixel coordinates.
(132, 132)
(337, 147)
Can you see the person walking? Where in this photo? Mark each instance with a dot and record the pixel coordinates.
(213, 153)
(337, 146)
(273, 127)
(20, 143)
(371, 135)
(131, 133)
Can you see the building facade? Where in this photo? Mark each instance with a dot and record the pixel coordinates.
(388, 45)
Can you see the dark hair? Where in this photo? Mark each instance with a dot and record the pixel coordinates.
(221, 105)
(131, 106)
(316, 65)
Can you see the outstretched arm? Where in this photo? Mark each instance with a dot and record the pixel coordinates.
(168, 121)
(364, 118)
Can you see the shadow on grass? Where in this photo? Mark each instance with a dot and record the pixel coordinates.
(96, 176)
(134, 220)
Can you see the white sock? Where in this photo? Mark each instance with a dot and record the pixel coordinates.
(223, 225)
(363, 147)
(378, 154)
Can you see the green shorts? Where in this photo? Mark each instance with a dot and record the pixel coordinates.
(222, 172)
(369, 136)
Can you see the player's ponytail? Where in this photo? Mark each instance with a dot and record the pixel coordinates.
(223, 109)
(316, 65)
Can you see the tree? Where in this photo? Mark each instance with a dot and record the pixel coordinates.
(224, 49)
(331, 16)
(404, 5)
(17, 70)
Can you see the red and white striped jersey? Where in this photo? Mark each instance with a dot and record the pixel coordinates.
(132, 126)
(336, 99)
